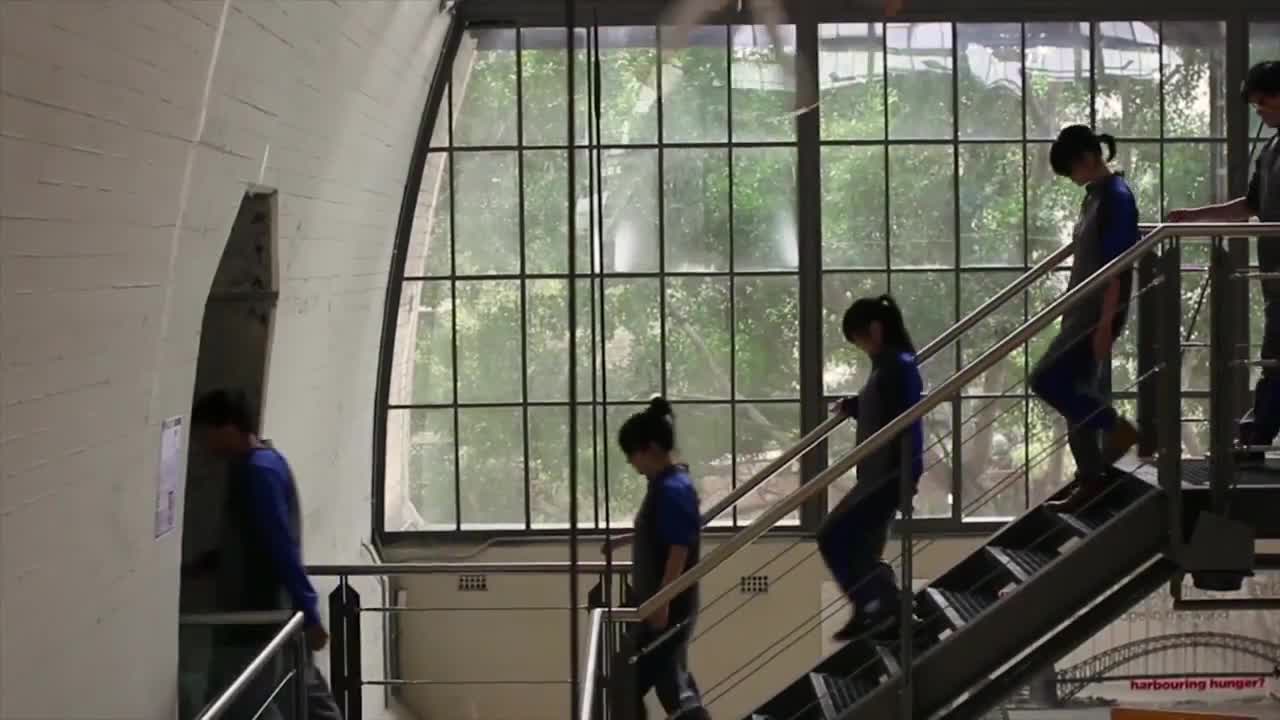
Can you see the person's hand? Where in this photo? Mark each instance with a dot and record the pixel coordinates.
(845, 407)
(317, 637)
(613, 543)
(1181, 216)
(1101, 344)
(658, 620)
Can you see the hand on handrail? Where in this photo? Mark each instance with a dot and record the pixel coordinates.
(615, 542)
(317, 637)
(845, 407)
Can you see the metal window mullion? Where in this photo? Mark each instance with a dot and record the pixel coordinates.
(595, 224)
(524, 294)
(957, 413)
(733, 285)
(453, 324)
(1026, 264)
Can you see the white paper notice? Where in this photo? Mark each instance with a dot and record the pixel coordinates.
(170, 476)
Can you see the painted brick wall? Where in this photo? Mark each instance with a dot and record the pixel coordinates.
(129, 129)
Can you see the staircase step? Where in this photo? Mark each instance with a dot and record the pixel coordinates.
(1022, 564)
(837, 694)
(889, 659)
(959, 608)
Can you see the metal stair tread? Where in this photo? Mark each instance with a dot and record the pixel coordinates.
(837, 694)
(959, 607)
(1023, 564)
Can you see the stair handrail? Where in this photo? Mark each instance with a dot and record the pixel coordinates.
(592, 668)
(948, 336)
(949, 389)
(291, 632)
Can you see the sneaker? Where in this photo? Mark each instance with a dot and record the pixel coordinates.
(1118, 441)
(864, 623)
(1085, 492)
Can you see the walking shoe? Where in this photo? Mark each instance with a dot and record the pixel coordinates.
(882, 621)
(1117, 442)
(1087, 490)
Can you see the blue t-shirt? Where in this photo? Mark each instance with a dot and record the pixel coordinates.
(270, 491)
(1119, 229)
(678, 520)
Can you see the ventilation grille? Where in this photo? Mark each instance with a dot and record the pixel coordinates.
(754, 584)
(473, 583)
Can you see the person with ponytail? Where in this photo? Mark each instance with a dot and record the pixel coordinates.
(1069, 375)
(853, 537)
(666, 542)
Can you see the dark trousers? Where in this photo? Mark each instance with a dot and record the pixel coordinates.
(1069, 378)
(664, 669)
(852, 541)
(231, 660)
(1265, 417)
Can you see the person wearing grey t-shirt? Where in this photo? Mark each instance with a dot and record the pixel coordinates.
(1261, 90)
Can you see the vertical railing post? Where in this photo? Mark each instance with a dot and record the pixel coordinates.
(338, 644)
(906, 620)
(1223, 365)
(1148, 343)
(301, 663)
(355, 673)
(1169, 404)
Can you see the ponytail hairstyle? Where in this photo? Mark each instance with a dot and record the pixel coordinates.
(1076, 142)
(655, 425)
(883, 309)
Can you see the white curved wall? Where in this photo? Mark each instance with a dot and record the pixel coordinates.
(128, 132)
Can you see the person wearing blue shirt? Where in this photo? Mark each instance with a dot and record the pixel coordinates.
(853, 536)
(1069, 375)
(667, 540)
(258, 564)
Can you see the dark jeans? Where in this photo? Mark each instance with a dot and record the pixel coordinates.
(664, 669)
(852, 541)
(1068, 377)
(1265, 416)
(231, 660)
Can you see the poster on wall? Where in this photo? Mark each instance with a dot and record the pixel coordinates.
(169, 476)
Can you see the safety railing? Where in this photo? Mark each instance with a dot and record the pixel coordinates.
(346, 610)
(259, 685)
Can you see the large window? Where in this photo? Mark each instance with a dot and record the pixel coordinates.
(932, 182)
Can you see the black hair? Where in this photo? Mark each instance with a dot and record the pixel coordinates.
(883, 310)
(1262, 79)
(223, 407)
(655, 425)
(1074, 143)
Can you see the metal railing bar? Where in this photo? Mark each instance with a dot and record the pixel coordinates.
(593, 661)
(223, 703)
(251, 617)
(465, 568)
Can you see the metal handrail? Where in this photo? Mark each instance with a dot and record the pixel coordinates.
(950, 335)
(219, 707)
(248, 617)
(946, 391)
(466, 568)
(593, 659)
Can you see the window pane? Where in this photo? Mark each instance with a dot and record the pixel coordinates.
(1057, 66)
(928, 304)
(549, 467)
(1195, 174)
(921, 206)
(699, 333)
(487, 224)
(695, 86)
(1140, 163)
(851, 80)
(590, 343)
(766, 338)
(544, 77)
(629, 84)
(853, 207)
(705, 436)
(1195, 435)
(990, 80)
(934, 498)
(430, 236)
(764, 209)
(420, 470)
(920, 80)
(696, 209)
(1052, 204)
(846, 367)
(491, 466)
(630, 242)
(1006, 375)
(1050, 465)
(763, 88)
(422, 371)
(546, 222)
(991, 204)
(1195, 79)
(484, 89)
(1128, 78)
(632, 343)
(547, 308)
(488, 341)
(763, 431)
(993, 454)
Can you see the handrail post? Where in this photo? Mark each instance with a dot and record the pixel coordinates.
(1148, 344)
(301, 663)
(906, 620)
(338, 644)
(355, 673)
(1223, 366)
(1169, 407)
